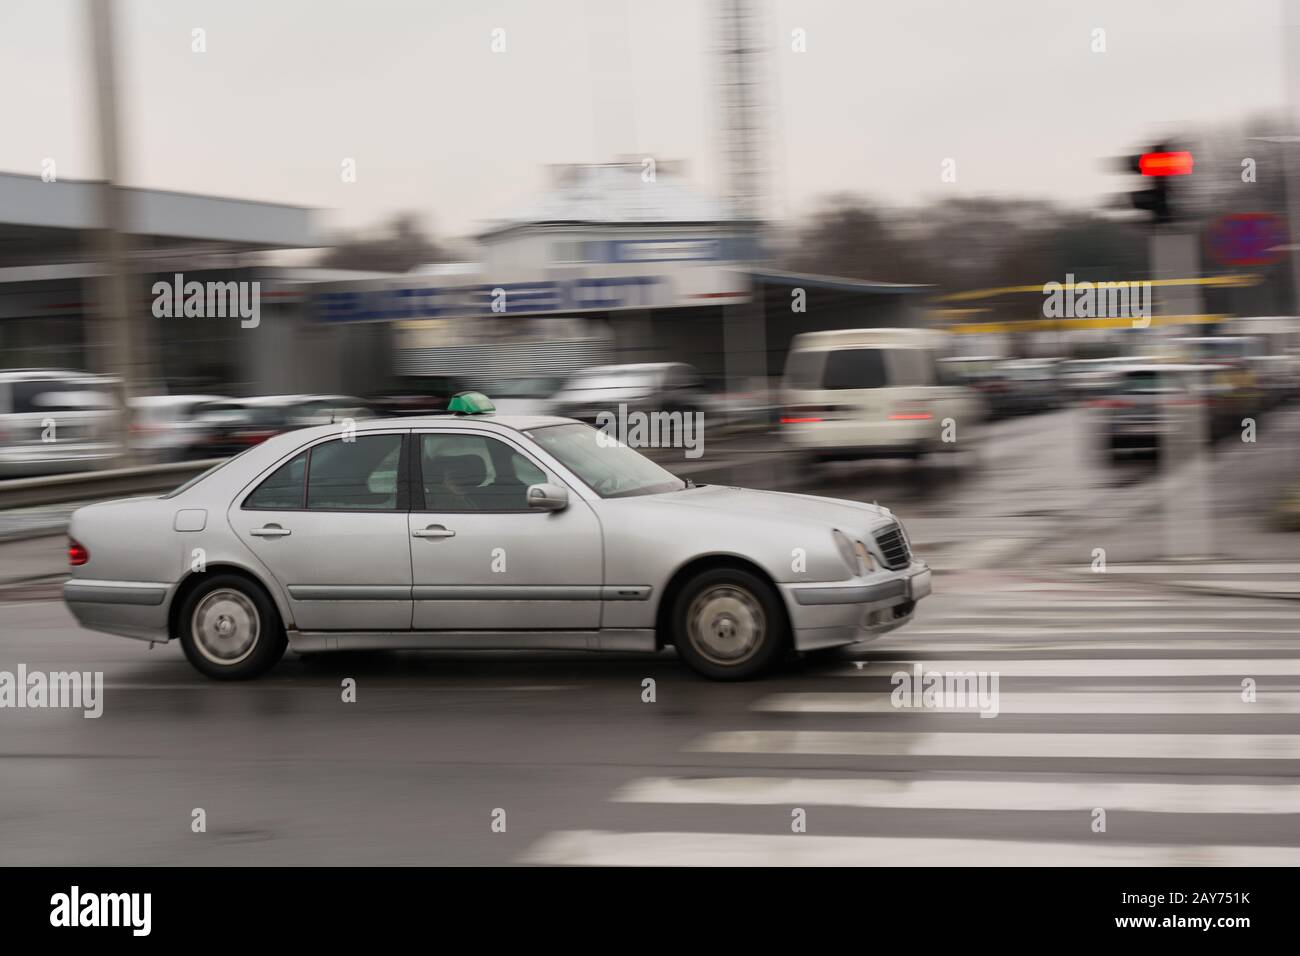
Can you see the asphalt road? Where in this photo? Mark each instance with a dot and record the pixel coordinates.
(1111, 698)
(586, 771)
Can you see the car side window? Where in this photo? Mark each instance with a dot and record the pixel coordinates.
(359, 475)
(474, 473)
(283, 490)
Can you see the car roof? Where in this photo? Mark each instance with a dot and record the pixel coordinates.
(502, 423)
(866, 338)
(162, 401)
(1171, 367)
(43, 374)
(630, 367)
(258, 400)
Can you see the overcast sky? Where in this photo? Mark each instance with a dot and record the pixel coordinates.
(438, 123)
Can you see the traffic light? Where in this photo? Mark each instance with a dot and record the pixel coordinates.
(1157, 167)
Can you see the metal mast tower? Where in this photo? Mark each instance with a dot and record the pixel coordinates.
(744, 337)
(739, 106)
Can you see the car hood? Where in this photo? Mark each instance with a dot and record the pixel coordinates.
(748, 502)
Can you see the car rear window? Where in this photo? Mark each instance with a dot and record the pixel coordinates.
(59, 395)
(855, 368)
(1144, 383)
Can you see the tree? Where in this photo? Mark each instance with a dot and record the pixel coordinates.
(399, 248)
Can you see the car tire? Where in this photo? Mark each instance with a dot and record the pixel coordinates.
(729, 624)
(230, 629)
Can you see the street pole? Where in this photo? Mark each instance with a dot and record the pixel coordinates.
(1182, 452)
(119, 340)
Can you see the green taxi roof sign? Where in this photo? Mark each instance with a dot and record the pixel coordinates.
(470, 403)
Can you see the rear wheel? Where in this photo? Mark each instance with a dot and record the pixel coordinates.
(230, 630)
(728, 624)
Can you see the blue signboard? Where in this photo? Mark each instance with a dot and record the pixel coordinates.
(507, 298)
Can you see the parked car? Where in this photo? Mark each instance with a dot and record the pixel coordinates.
(1241, 369)
(468, 531)
(229, 426)
(646, 386)
(1148, 406)
(1031, 386)
(1085, 379)
(871, 393)
(983, 375)
(169, 427)
(416, 395)
(53, 420)
(527, 395)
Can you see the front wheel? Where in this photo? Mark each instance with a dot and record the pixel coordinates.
(728, 624)
(230, 630)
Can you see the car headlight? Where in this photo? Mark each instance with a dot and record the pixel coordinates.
(866, 562)
(855, 554)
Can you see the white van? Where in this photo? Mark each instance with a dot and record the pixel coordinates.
(872, 393)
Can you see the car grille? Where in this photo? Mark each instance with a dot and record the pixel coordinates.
(893, 547)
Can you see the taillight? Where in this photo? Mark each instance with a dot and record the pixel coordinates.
(77, 553)
(1111, 403)
(910, 412)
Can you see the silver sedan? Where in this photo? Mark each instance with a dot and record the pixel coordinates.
(483, 532)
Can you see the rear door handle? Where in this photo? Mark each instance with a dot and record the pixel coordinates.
(433, 531)
(270, 531)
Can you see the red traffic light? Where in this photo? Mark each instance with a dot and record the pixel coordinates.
(1165, 164)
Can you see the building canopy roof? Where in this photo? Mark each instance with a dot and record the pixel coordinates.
(46, 221)
(613, 194)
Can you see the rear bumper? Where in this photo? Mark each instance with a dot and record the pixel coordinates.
(135, 609)
(846, 612)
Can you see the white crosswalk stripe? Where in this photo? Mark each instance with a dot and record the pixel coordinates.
(1066, 745)
(601, 848)
(1090, 667)
(1017, 794)
(1146, 656)
(1105, 702)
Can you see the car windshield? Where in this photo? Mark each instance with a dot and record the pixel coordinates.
(1222, 349)
(1146, 382)
(612, 470)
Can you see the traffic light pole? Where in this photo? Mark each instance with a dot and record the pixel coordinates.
(1175, 254)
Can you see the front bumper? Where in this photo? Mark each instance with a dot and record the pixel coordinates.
(846, 612)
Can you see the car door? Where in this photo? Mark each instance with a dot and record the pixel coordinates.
(330, 524)
(481, 559)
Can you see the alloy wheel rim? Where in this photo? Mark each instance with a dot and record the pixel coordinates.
(726, 625)
(226, 626)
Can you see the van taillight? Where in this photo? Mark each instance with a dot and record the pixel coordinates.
(77, 553)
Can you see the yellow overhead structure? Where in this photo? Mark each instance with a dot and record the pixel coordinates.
(1226, 281)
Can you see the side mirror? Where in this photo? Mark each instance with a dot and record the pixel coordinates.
(547, 497)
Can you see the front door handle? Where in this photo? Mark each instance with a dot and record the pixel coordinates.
(433, 531)
(270, 531)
